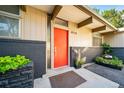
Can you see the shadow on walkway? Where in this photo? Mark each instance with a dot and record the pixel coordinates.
(109, 73)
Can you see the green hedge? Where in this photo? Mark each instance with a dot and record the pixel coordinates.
(12, 63)
(114, 61)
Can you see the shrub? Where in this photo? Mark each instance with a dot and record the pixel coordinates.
(78, 63)
(12, 63)
(106, 48)
(114, 61)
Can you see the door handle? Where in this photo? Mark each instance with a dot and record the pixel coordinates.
(55, 51)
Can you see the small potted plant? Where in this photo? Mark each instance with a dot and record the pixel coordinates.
(79, 63)
(106, 51)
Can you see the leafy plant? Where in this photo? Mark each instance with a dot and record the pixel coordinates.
(114, 61)
(78, 63)
(12, 63)
(113, 16)
(106, 48)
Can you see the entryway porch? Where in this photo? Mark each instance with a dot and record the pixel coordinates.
(92, 80)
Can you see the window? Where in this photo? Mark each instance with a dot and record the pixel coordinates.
(97, 39)
(13, 9)
(9, 22)
(9, 27)
(61, 22)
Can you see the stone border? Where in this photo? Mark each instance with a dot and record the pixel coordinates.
(20, 78)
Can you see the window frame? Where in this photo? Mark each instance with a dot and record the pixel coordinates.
(99, 37)
(14, 16)
(63, 21)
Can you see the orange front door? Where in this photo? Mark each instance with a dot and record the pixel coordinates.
(60, 47)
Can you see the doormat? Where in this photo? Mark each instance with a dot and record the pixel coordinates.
(66, 80)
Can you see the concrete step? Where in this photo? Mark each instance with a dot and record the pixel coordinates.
(53, 72)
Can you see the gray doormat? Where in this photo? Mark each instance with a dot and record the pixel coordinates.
(69, 79)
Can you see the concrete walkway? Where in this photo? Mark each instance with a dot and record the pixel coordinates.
(93, 80)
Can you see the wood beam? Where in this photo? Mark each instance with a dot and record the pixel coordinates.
(55, 12)
(85, 22)
(82, 8)
(110, 32)
(99, 29)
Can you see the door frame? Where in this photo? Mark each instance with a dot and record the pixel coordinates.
(53, 25)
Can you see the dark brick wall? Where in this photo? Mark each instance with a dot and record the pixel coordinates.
(21, 78)
(34, 50)
(119, 52)
(89, 52)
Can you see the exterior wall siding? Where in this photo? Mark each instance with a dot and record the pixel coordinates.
(33, 24)
(79, 37)
(115, 39)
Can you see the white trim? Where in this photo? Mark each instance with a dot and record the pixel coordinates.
(46, 29)
(52, 44)
(100, 37)
(97, 36)
(69, 47)
(10, 15)
(61, 67)
(20, 29)
(61, 27)
(121, 29)
(20, 23)
(14, 16)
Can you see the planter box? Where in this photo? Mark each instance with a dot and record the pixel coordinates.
(108, 65)
(20, 78)
(77, 67)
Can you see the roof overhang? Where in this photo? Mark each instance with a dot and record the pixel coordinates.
(121, 29)
(83, 16)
